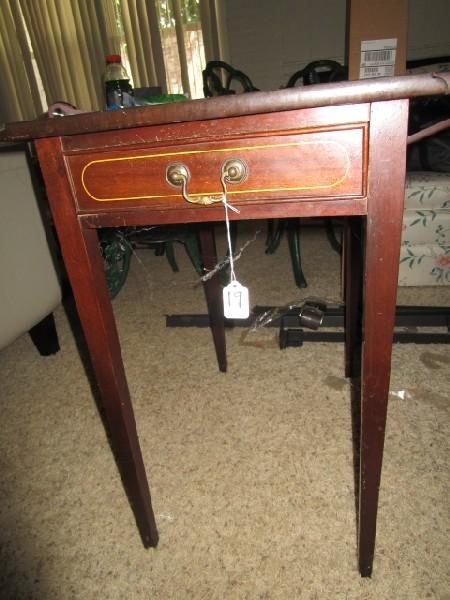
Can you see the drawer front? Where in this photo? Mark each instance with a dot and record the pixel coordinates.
(278, 168)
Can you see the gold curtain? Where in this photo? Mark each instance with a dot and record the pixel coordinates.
(70, 39)
(20, 97)
(143, 40)
(54, 50)
(213, 15)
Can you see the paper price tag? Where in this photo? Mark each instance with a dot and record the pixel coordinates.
(235, 301)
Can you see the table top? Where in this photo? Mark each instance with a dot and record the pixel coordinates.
(252, 103)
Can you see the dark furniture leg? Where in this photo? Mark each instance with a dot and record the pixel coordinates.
(95, 310)
(191, 245)
(45, 336)
(293, 235)
(384, 222)
(213, 293)
(331, 236)
(275, 228)
(84, 264)
(170, 253)
(352, 294)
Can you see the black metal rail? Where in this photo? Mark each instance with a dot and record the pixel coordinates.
(292, 334)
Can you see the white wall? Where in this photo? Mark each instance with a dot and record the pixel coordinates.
(429, 28)
(271, 39)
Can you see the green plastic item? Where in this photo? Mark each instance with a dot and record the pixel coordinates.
(162, 99)
(116, 253)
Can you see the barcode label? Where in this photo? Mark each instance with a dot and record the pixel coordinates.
(377, 58)
(371, 71)
(382, 71)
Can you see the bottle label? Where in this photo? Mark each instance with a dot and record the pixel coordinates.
(119, 95)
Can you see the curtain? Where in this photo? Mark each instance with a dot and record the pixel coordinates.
(143, 41)
(70, 39)
(20, 98)
(165, 48)
(214, 29)
(54, 50)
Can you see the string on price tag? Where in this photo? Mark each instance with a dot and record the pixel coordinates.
(236, 302)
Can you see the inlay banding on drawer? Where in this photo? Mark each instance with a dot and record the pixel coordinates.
(285, 166)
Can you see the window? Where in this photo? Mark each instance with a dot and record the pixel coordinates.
(186, 32)
(193, 45)
(55, 50)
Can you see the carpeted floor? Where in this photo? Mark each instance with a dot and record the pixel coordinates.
(251, 471)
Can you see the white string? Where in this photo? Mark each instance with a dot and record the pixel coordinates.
(226, 260)
(227, 223)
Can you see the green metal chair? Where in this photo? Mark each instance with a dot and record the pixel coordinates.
(118, 244)
(320, 71)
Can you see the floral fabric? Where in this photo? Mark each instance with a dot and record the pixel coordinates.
(426, 227)
(425, 250)
(427, 190)
(422, 264)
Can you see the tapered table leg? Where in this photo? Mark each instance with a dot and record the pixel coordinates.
(213, 293)
(382, 249)
(110, 375)
(84, 264)
(293, 234)
(352, 294)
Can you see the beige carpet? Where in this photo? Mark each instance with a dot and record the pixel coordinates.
(251, 471)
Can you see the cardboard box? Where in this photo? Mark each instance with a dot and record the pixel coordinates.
(377, 38)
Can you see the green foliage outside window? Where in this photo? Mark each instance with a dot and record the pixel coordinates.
(190, 12)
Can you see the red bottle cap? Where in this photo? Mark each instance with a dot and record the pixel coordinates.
(113, 58)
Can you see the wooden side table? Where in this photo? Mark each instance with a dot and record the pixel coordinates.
(329, 150)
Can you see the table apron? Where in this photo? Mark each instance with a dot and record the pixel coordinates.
(339, 207)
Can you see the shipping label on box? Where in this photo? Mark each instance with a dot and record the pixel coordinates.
(377, 58)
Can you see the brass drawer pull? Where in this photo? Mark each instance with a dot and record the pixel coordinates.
(178, 175)
(234, 170)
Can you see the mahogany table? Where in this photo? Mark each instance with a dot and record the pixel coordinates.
(326, 150)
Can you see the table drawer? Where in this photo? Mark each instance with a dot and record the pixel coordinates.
(319, 164)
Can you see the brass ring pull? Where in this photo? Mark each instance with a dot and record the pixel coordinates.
(178, 175)
(234, 170)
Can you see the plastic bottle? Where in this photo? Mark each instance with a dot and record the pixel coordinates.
(118, 90)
